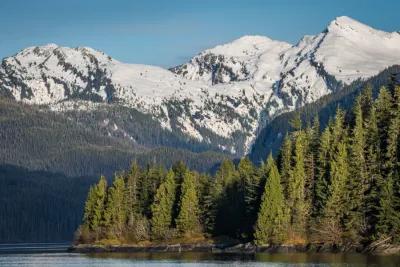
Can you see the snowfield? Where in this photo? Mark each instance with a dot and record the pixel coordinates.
(229, 89)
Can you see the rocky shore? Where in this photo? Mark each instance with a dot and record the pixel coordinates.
(229, 248)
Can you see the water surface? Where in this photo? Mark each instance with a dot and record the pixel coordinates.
(195, 260)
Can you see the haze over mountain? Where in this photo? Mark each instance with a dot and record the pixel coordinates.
(221, 98)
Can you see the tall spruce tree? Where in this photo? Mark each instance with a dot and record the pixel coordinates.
(285, 157)
(322, 172)
(115, 210)
(132, 179)
(149, 183)
(250, 182)
(272, 222)
(188, 222)
(357, 184)
(389, 215)
(388, 224)
(375, 180)
(93, 212)
(296, 190)
(336, 206)
(383, 106)
(224, 215)
(162, 207)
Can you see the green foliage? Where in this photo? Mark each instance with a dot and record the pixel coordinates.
(339, 187)
(296, 187)
(250, 181)
(162, 207)
(94, 206)
(337, 204)
(272, 222)
(323, 172)
(115, 211)
(188, 221)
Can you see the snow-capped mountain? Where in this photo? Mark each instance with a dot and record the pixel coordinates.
(222, 96)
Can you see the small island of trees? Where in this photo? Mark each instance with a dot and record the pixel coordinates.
(340, 187)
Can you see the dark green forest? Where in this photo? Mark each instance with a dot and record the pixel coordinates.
(38, 206)
(339, 186)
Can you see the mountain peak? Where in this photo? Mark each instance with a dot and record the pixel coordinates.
(246, 46)
(345, 20)
(346, 24)
(49, 46)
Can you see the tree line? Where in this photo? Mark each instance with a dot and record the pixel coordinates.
(338, 186)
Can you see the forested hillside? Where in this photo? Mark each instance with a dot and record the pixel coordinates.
(38, 206)
(271, 137)
(339, 186)
(48, 161)
(75, 145)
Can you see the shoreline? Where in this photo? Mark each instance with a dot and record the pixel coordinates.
(242, 248)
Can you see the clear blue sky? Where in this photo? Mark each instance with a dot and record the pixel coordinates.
(168, 32)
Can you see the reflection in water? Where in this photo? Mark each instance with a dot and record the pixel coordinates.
(197, 260)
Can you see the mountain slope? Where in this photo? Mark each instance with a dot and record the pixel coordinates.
(221, 98)
(271, 137)
(76, 146)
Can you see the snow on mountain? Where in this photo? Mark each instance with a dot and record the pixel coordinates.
(245, 58)
(222, 96)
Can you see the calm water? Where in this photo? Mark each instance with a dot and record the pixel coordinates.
(55, 254)
(194, 260)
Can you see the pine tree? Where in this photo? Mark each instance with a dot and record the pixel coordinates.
(336, 206)
(323, 172)
(250, 182)
(220, 209)
(389, 216)
(179, 169)
(149, 183)
(272, 221)
(375, 183)
(162, 207)
(310, 160)
(132, 179)
(115, 212)
(357, 184)
(286, 162)
(296, 188)
(383, 106)
(296, 123)
(388, 224)
(94, 206)
(187, 221)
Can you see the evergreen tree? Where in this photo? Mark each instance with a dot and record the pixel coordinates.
(223, 198)
(323, 172)
(187, 221)
(373, 165)
(388, 218)
(115, 211)
(149, 183)
(296, 123)
(132, 179)
(249, 181)
(286, 162)
(179, 169)
(296, 189)
(162, 207)
(383, 106)
(357, 184)
(272, 222)
(336, 206)
(94, 206)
